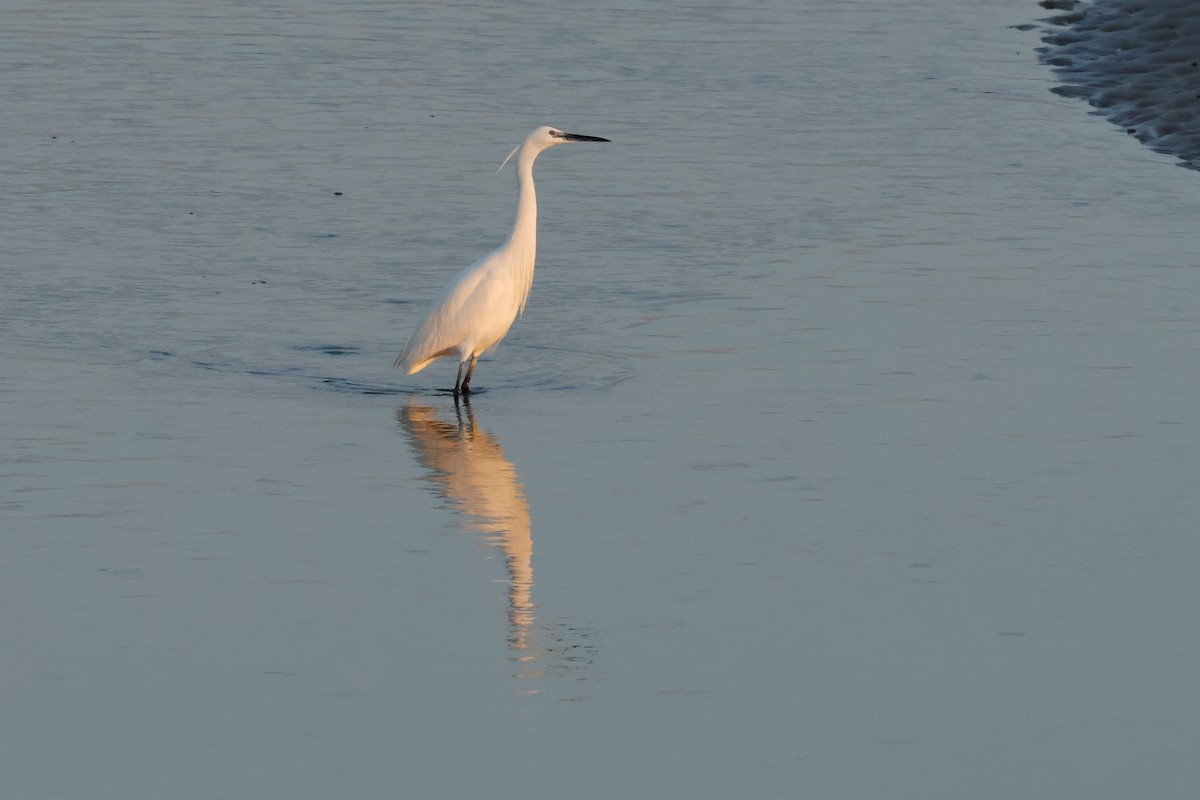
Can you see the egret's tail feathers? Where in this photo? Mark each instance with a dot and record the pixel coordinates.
(413, 358)
(410, 362)
(410, 368)
(407, 358)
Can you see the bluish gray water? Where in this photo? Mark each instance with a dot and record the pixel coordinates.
(847, 447)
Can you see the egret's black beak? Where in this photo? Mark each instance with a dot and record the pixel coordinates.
(579, 137)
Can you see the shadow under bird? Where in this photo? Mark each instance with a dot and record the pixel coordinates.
(476, 310)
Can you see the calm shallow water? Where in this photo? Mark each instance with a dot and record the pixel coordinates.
(847, 448)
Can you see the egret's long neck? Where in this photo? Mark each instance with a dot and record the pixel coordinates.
(522, 245)
(524, 235)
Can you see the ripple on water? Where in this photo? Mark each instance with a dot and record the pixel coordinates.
(1137, 63)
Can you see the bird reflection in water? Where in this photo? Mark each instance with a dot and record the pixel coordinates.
(467, 467)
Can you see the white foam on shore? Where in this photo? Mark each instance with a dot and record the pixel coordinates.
(1137, 62)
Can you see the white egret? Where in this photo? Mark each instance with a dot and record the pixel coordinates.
(476, 310)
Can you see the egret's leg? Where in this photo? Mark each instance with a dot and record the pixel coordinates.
(458, 382)
(466, 385)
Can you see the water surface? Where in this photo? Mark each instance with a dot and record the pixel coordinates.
(847, 447)
(1137, 64)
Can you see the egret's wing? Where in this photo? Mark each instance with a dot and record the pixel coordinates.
(456, 317)
(434, 336)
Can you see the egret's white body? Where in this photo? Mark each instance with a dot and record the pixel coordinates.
(476, 310)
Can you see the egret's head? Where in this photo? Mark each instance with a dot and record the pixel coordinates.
(547, 136)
